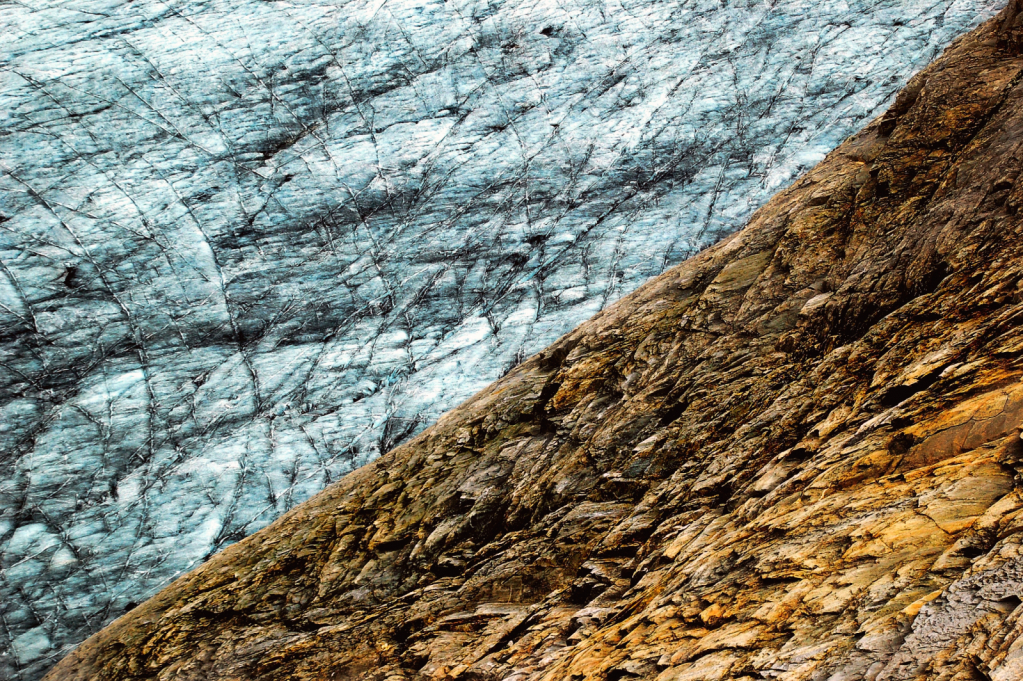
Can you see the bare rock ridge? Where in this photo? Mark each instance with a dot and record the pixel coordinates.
(795, 456)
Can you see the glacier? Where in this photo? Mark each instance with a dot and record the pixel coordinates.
(246, 246)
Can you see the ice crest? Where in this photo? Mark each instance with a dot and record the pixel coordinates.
(247, 246)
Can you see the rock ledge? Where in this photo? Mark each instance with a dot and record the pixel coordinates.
(796, 456)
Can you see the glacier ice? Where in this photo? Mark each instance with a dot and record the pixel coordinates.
(246, 246)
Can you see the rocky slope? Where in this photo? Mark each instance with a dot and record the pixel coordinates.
(247, 245)
(796, 456)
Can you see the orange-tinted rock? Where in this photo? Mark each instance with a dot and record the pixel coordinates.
(796, 456)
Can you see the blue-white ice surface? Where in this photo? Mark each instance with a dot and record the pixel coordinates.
(246, 246)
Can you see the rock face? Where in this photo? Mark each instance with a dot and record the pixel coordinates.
(795, 456)
(246, 246)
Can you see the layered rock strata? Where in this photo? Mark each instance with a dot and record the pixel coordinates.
(795, 456)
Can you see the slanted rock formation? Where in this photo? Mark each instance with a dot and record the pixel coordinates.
(796, 456)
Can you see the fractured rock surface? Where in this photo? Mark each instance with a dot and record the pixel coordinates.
(247, 246)
(797, 455)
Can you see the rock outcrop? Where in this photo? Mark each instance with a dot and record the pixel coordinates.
(795, 456)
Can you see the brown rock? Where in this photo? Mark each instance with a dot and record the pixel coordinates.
(796, 456)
